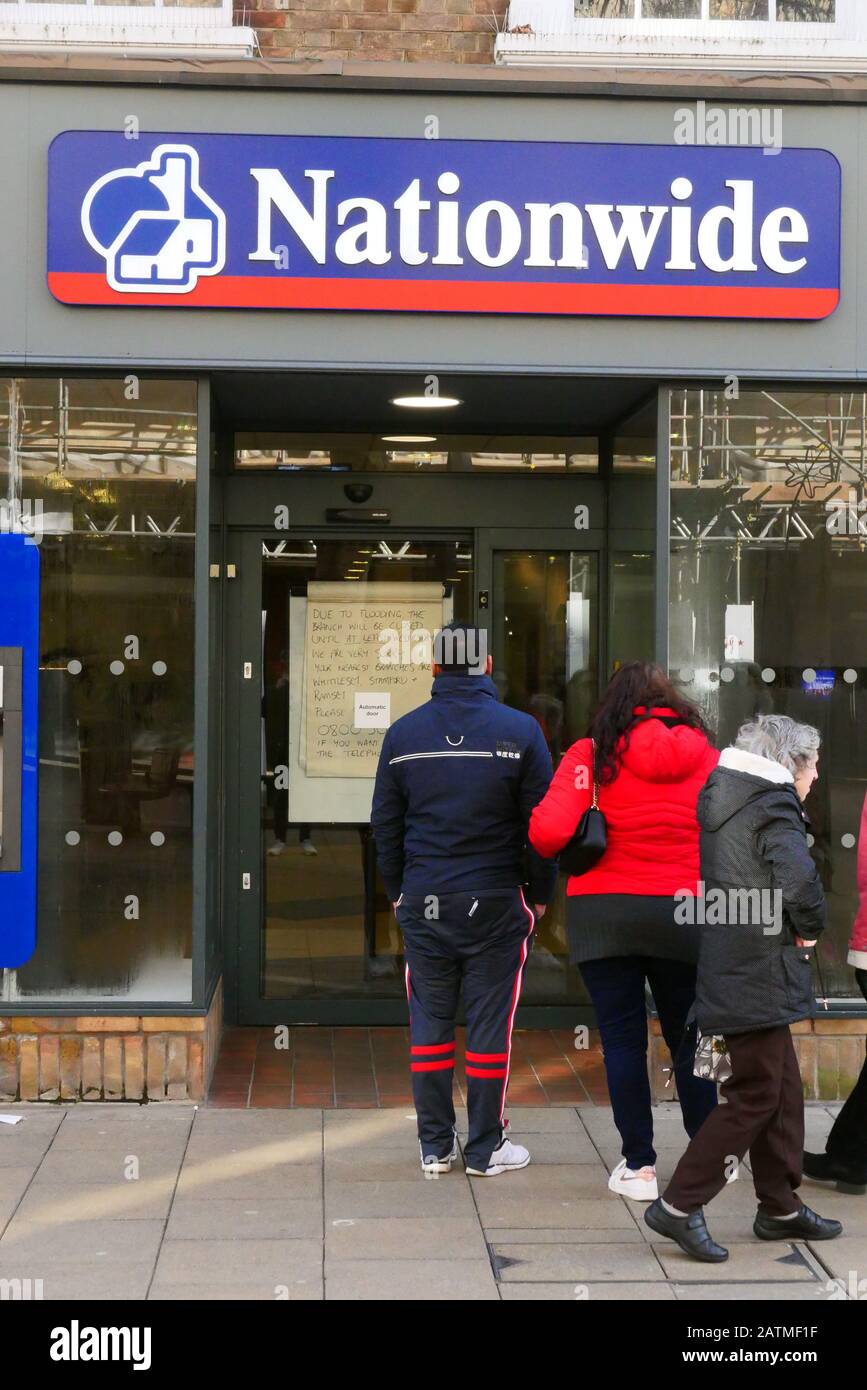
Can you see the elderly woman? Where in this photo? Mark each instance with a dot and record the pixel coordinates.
(754, 981)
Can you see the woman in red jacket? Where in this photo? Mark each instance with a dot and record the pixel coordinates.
(652, 757)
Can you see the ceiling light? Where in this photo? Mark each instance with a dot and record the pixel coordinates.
(426, 402)
(408, 438)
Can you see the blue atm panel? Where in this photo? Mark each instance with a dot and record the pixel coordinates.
(19, 746)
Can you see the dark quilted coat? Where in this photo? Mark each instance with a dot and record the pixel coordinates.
(751, 972)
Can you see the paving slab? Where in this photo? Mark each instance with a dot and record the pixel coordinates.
(586, 1293)
(122, 1163)
(759, 1261)
(738, 1293)
(565, 1235)
(52, 1204)
(561, 1146)
(245, 1124)
(443, 1195)
(844, 1258)
(382, 1165)
(71, 1246)
(379, 1129)
(580, 1264)
(235, 1218)
(274, 1268)
(248, 1175)
(384, 1238)
(550, 1196)
(469, 1281)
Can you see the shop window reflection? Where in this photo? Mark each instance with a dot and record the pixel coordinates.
(767, 601)
(102, 474)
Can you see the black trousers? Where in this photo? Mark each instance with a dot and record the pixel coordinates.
(763, 1113)
(478, 943)
(847, 1141)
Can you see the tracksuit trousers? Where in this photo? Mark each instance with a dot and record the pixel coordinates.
(478, 943)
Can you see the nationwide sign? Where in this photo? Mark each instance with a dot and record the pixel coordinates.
(442, 226)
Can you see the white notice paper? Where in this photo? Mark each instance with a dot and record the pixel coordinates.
(373, 710)
(11, 1119)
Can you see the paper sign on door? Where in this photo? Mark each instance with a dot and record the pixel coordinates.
(372, 711)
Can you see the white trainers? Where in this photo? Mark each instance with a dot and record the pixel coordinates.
(308, 847)
(638, 1184)
(505, 1159)
(431, 1164)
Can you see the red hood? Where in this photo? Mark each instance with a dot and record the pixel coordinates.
(659, 754)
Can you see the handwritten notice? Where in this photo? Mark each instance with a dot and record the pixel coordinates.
(367, 642)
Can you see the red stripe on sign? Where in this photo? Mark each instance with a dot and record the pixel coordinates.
(436, 1047)
(487, 1071)
(487, 1057)
(462, 296)
(433, 1066)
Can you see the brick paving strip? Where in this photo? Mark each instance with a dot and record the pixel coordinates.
(170, 1201)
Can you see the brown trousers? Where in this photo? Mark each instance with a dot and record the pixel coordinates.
(763, 1113)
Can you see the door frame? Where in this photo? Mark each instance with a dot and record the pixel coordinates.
(242, 810)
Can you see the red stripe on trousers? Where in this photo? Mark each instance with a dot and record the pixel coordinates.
(436, 1047)
(495, 1072)
(487, 1056)
(433, 1066)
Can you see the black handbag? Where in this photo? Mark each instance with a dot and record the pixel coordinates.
(589, 842)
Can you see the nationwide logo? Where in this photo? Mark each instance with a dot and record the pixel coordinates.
(154, 225)
(446, 226)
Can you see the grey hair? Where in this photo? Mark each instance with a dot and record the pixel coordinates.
(781, 739)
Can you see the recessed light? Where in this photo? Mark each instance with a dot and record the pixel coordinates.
(409, 438)
(426, 402)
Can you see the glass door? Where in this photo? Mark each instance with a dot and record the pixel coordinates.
(337, 645)
(546, 647)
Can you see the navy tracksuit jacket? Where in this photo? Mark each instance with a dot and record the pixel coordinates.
(457, 781)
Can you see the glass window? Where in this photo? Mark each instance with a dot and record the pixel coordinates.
(671, 9)
(739, 9)
(408, 453)
(102, 473)
(768, 600)
(546, 662)
(632, 590)
(604, 9)
(807, 11)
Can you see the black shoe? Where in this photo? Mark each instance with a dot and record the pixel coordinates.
(807, 1225)
(847, 1177)
(689, 1232)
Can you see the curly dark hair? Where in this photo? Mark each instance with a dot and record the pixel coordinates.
(638, 685)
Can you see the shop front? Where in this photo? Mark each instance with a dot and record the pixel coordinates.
(228, 358)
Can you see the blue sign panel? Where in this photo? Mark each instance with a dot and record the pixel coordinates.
(19, 664)
(451, 226)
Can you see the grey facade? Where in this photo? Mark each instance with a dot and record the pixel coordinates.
(260, 372)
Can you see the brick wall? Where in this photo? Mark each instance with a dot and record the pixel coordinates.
(830, 1052)
(134, 1058)
(451, 31)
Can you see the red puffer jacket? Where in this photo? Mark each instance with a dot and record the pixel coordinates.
(858, 944)
(649, 809)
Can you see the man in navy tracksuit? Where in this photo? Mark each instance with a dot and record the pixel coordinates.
(457, 780)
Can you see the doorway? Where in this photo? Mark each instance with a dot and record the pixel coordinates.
(341, 544)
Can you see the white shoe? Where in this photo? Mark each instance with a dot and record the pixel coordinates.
(638, 1184)
(431, 1164)
(505, 1159)
(278, 847)
(308, 847)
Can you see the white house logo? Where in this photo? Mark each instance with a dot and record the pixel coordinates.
(155, 225)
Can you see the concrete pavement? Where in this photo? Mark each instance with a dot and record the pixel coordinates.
(173, 1202)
